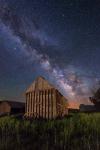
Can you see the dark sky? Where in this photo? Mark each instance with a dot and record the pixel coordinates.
(58, 39)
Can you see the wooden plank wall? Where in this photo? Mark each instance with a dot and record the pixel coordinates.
(41, 104)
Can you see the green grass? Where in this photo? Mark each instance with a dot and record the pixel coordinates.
(79, 132)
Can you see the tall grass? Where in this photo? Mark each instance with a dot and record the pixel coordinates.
(79, 132)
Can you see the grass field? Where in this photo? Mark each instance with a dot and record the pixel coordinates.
(77, 132)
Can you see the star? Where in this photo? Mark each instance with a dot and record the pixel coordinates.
(63, 15)
(55, 38)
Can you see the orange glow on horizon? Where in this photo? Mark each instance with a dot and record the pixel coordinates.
(74, 105)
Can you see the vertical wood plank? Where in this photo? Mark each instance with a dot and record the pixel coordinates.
(50, 107)
(54, 103)
(29, 105)
(32, 104)
(51, 104)
(45, 102)
(46, 92)
(35, 104)
(39, 104)
(42, 104)
(48, 104)
(26, 105)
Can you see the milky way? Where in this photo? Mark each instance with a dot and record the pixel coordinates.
(32, 43)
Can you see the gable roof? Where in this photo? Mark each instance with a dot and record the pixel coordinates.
(39, 84)
(42, 84)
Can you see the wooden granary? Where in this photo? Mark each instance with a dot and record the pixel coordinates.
(44, 101)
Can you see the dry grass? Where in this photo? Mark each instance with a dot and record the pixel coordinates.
(79, 132)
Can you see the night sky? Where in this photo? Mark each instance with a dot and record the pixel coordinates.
(57, 39)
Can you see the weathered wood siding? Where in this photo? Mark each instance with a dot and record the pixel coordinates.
(43, 100)
(41, 104)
